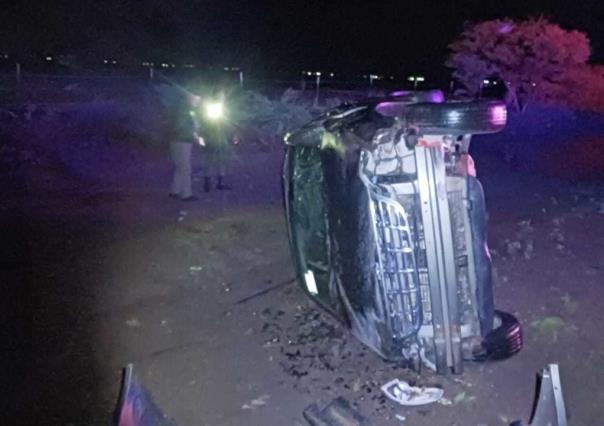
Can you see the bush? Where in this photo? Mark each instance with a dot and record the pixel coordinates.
(535, 59)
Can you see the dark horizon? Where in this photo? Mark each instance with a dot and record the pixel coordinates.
(389, 37)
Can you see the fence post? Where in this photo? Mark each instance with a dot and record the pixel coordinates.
(317, 87)
(18, 73)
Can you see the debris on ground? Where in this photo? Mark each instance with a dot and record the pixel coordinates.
(338, 412)
(316, 352)
(133, 323)
(257, 402)
(463, 397)
(405, 394)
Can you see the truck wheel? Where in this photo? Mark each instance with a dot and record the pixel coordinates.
(457, 117)
(502, 342)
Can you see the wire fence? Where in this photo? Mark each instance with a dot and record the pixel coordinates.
(21, 86)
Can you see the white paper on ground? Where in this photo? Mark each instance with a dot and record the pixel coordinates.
(401, 392)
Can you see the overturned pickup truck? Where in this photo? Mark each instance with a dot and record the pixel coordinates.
(387, 226)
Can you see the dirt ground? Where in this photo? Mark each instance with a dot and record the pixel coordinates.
(99, 271)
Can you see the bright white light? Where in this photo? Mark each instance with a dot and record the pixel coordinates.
(486, 81)
(411, 78)
(311, 284)
(308, 73)
(318, 73)
(214, 110)
(49, 58)
(331, 74)
(420, 78)
(105, 61)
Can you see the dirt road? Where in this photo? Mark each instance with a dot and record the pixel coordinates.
(99, 273)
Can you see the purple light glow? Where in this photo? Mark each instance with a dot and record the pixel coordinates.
(499, 115)
(401, 93)
(390, 109)
(436, 96)
(432, 96)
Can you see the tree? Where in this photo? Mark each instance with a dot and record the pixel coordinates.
(529, 57)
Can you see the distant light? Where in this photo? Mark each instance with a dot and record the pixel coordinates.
(214, 110)
(226, 68)
(309, 73)
(331, 74)
(391, 77)
(486, 82)
(5, 56)
(189, 66)
(105, 61)
(173, 66)
(164, 65)
(318, 73)
(49, 58)
(235, 69)
(533, 84)
(418, 78)
(114, 62)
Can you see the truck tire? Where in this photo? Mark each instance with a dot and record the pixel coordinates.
(457, 117)
(502, 342)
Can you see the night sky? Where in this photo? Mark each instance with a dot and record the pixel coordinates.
(364, 36)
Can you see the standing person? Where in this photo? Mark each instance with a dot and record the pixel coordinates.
(218, 149)
(182, 134)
